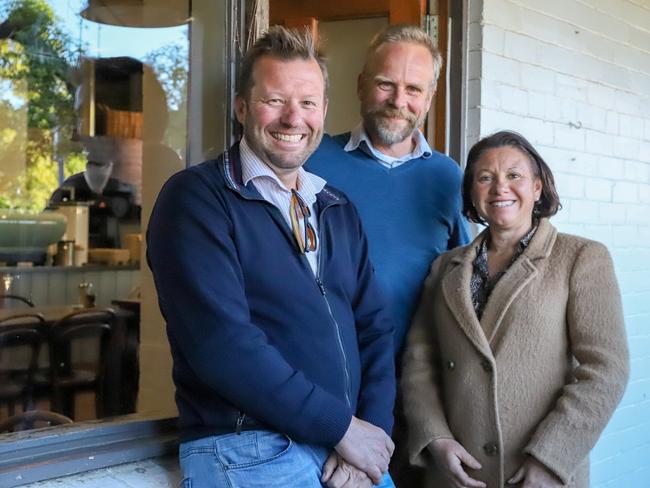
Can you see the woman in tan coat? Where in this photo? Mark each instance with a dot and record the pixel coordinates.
(517, 356)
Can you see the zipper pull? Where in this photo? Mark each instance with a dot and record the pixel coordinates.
(321, 286)
(240, 421)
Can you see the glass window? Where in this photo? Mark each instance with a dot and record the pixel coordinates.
(94, 115)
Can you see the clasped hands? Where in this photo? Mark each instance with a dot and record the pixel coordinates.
(360, 459)
(450, 456)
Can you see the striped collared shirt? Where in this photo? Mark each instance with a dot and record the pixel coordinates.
(273, 191)
(359, 139)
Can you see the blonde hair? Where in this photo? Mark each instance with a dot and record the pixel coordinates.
(405, 33)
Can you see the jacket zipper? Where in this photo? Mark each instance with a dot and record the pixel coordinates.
(321, 287)
(240, 421)
(323, 291)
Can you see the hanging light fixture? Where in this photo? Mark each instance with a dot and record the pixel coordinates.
(138, 13)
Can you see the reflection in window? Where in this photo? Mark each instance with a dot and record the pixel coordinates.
(82, 105)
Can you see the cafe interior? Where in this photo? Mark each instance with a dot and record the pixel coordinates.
(100, 102)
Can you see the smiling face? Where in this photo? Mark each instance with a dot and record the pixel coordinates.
(283, 115)
(505, 188)
(395, 92)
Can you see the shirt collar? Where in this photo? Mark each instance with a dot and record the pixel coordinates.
(359, 139)
(309, 185)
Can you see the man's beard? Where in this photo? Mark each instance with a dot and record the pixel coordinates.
(378, 125)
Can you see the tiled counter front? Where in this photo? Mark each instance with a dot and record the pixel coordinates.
(60, 285)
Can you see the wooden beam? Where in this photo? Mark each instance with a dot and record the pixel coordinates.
(440, 126)
(406, 12)
(326, 10)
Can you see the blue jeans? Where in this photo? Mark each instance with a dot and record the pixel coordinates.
(254, 458)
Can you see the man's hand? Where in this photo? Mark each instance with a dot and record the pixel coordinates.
(338, 473)
(533, 474)
(449, 457)
(367, 447)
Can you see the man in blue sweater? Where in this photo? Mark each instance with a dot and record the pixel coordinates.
(282, 348)
(408, 195)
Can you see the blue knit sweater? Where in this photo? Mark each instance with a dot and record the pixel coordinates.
(411, 214)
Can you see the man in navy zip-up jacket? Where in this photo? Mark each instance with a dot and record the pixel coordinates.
(283, 352)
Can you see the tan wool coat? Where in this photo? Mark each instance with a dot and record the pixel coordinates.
(540, 374)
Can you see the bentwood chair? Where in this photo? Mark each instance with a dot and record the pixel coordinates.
(32, 419)
(21, 337)
(15, 301)
(78, 358)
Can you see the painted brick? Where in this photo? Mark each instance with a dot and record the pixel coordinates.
(638, 477)
(599, 143)
(644, 151)
(514, 100)
(601, 96)
(627, 103)
(537, 78)
(598, 189)
(501, 69)
(631, 259)
(634, 282)
(600, 233)
(612, 213)
(592, 117)
(582, 164)
(625, 417)
(626, 147)
(638, 325)
(495, 120)
(611, 122)
(570, 87)
(569, 112)
(644, 193)
(568, 137)
(522, 48)
(625, 235)
(539, 132)
(637, 391)
(637, 303)
(503, 13)
(474, 94)
(553, 108)
(474, 65)
(630, 126)
(570, 186)
(625, 192)
(571, 228)
(638, 214)
(613, 168)
(646, 132)
(476, 34)
(584, 212)
(637, 171)
(644, 234)
(536, 104)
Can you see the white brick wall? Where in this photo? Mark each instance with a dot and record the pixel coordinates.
(574, 77)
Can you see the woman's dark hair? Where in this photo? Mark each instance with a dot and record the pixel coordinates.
(549, 202)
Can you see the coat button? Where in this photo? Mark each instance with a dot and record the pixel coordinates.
(451, 365)
(487, 367)
(491, 449)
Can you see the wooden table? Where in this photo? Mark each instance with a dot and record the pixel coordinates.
(120, 382)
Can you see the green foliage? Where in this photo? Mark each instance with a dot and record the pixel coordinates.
(35, 59)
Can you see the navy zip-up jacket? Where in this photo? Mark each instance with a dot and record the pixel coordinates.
(257, 339)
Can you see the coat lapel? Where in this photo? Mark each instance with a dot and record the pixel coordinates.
(455, 288)
(518, 276)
